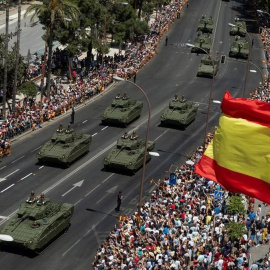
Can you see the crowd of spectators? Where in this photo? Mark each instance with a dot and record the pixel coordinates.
(86, 83)
(183, 226)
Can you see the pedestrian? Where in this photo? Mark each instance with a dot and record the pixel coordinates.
(134, 77)
(252, 43)
(187, 3)
(72, 115)
(119, 201)
(166, 41)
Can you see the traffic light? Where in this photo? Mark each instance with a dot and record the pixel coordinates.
(222, 59)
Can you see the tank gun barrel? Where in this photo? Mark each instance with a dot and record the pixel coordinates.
(19, 221)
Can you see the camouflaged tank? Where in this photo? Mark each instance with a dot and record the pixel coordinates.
(239, 28)
(239, 48)
(201, 41)
(208, 66)
(180, 113)
(128, 154)
(206, 25)
(65, 147)
(122, 111)
(36, 224)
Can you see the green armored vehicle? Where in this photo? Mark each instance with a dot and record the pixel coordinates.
(180, 113)
(122, 111)
(36, 224)
(202, 43)
(128, 154)
(238, 28)
(65, 147)
(239, 48)
(208, 67)
(206, 25)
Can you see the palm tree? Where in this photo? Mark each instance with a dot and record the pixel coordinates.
(50, 11)
(14, 92)
(6, 61)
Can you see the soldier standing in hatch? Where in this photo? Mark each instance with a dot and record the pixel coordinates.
(119, 201)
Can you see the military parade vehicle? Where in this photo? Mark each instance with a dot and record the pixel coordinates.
(37, 223)
(238, 28)
(239, 48)
(208, 66)
(122, 111)
(206, 25)
(202, 43)
(65, 147)
(180, 113)
(128, 154)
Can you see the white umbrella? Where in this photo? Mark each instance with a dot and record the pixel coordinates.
(190, 162)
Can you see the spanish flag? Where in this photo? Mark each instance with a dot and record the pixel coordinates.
(238, 158)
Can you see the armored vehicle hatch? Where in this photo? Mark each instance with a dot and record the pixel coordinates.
(180, 113)
(128, 154)
(122, 111)
(65, 147)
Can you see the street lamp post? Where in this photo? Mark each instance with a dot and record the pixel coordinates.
(248, 61)
(210, 94)
(146, 139)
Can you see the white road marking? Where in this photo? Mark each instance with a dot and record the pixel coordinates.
(36, 149)
(79, 184)
(3, 217)
(7, 188)
(3, 168)
(84, 121)
(104, 128)
(26, 176)
(11, 173)
(2, 179)
(108, 178)
(41, 167)
(78, 201)
(71, 247)
(92, 190)
(17, 159)
(94, 134)
(162, 134)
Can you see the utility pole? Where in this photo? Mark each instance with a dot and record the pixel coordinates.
(6, 61)
(14, 92)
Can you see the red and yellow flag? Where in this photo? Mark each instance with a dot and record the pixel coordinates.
(238, 158)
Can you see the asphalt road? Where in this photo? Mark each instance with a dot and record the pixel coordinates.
(172, 71)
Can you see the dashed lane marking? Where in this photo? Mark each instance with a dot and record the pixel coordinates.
(11, 173)
(17, 159)
(92, 190)
(104, 128)
(41, 167)
(162, 134)
(36, 149)
(3, 168)
(25, 176)
(107, 178)
(7, 188)
(94, 134)
(84, 121)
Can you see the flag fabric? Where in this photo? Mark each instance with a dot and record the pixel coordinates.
(238, 158)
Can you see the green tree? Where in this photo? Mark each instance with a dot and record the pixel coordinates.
(235, 230)
(52, 14)
(29, 89)
(235, 205)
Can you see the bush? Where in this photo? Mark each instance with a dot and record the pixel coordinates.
(236, 206)
(29, 89)
(235, 230)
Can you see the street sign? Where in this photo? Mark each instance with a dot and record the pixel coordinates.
(173, 178)
(218, 194)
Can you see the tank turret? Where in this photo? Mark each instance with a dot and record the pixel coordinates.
(239, 48)
(206, 25)
(208, 66)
